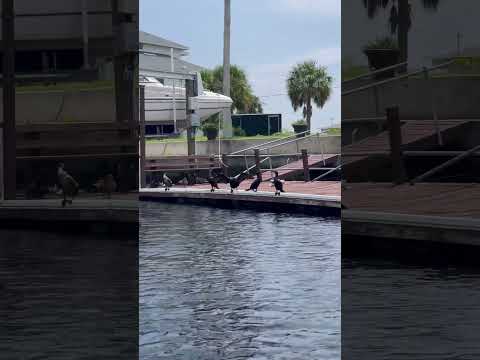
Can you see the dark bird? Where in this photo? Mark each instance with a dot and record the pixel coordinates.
(110, 185)
(235, 181)
(278, 184)
(256, 183)
(212, 180)
(68, 184)
(167, 182)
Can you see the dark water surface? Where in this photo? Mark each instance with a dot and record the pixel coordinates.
(68, 297)
(229, 284)
(393, 310)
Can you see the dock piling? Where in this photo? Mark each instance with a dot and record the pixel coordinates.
(395, 133)
(306, 170)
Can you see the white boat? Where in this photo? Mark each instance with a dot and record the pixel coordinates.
(165, 103)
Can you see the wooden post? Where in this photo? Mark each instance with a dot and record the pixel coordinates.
(306, 171)
(257, 159)
(9, 125)
(142, 137)
(189, 93)
(225, 167)
(396, 156)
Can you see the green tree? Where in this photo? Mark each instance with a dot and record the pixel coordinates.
(400, 19)
(308, 84)
(244, 101)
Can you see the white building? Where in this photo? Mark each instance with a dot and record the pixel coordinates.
(159, 55)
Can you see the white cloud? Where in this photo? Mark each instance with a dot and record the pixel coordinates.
(314, 7)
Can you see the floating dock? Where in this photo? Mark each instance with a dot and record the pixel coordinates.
(423, 212)
(316, 198)
(84, 215)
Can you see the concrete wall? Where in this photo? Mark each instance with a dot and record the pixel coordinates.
(456, 97)
(58, 27)
(78, 106)
(314, 145)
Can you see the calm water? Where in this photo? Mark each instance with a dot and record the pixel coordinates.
(221, 284)
(67, 297)
(395, 311)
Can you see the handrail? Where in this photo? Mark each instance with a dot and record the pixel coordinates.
(400, 77)
(376, 72)
(288, 142)
(273, 141)
(327, 173)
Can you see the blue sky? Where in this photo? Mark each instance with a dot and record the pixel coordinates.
(268, 38)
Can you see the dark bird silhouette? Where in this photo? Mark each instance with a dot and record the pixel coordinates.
(256, 183)
(110, 185)
(235, 181)
(278, 184)
(68, 184)
(167, 182)
(212, 180)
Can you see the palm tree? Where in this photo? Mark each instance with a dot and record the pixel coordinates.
(244, 101)
(400, 18)
(307, 83)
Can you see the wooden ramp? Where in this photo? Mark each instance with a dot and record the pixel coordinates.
(297, 166)
(412, 132)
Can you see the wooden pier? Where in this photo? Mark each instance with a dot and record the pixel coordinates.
(318, 198)
(429, 212)
(117, 215)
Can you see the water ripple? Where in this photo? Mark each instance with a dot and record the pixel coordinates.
(221, 284)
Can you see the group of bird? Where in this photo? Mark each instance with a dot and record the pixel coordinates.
(70, 187)
(234, 182)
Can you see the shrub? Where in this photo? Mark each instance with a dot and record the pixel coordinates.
(239, 132)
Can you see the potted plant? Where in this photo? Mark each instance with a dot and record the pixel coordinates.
(210, 130)
(382, 53)
(300, 126)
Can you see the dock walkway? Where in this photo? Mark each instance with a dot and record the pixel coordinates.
(314, 160)
(315, 198)
(114, 215)
(413, 132)
(424, 212)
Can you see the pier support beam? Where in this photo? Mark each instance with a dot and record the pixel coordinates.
(9, 125)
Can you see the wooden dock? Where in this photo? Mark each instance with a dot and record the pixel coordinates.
(319, 198)
(433, 212)
(414, 134)
(314, 160)
(84, 215)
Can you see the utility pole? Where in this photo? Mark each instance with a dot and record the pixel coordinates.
(189, 93)
(9, 126)
(227, 115)
(403, 24)
(85, 34)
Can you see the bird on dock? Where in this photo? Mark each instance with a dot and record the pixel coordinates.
(109, 185)
(256, 183)
(68, 185)
(167, 182)
(278, 184)
(235, 181)
(212, 180)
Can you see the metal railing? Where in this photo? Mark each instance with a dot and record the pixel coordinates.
(375, 72)
(425, 71)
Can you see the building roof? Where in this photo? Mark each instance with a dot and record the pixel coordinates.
(147, 38)
(162, 63)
